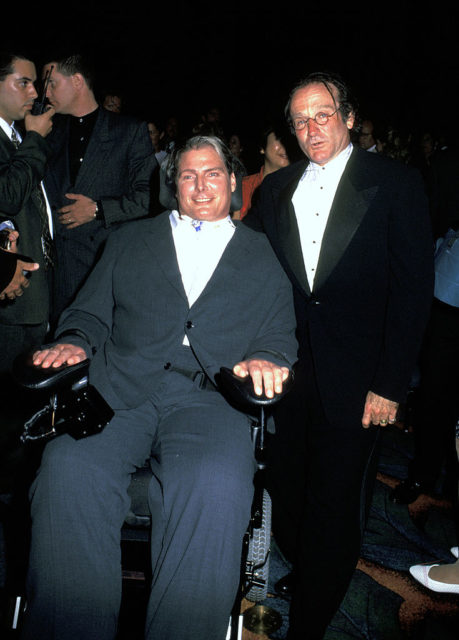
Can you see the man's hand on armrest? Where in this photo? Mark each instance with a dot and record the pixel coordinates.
(58, 355)
(264, 374)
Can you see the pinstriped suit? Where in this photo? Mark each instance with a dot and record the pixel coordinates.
(116, 171)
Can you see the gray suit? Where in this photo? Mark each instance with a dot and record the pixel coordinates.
(116, 172)
(133, 312)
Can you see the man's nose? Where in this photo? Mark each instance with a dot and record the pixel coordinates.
(312, 126)
(200, 182)
(32, 92)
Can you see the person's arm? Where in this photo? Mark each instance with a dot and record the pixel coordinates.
(19, 281)
(141, 164)
(409, 298)
(86, 324)
(13, 269)
(273, 351)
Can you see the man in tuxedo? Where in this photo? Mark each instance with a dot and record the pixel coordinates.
(351, 230)
(23, 318)
(98, 176)
(172, 299)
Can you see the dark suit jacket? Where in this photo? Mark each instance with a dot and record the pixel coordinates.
(362, 324)
(21, 170)
(116, 171)
(134, 312)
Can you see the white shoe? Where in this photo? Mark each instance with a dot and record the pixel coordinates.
(420, 572)
(455, 551)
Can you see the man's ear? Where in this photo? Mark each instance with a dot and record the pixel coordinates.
(350, 120)
(78, 81)
(233, 183)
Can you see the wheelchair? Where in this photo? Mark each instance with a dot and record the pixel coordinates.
(75, 407)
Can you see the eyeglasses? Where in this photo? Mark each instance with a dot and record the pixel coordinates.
(320, 118)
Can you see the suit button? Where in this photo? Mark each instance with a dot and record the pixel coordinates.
(314, 301)
(189, 325)
(167, 365)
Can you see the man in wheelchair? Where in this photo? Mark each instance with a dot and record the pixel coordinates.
(172, 299)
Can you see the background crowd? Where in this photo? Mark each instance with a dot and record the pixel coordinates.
(411, 143)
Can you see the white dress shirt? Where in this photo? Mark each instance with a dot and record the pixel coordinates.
(199, 247)
(312, 201)
(8, 129)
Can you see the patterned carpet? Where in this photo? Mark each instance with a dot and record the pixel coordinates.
(383, 601)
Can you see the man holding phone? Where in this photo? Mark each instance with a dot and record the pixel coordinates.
(23, 318)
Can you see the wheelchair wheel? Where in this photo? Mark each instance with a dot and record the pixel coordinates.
(258, 553)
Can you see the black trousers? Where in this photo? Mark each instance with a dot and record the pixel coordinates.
(320, 478)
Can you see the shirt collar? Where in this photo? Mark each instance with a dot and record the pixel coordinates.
(176, 218)
(88, 118)
(335, 166)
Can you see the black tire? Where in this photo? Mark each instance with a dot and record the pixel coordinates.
(258, 552)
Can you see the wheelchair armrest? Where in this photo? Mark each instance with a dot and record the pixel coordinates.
(240, 390)
(52, 379)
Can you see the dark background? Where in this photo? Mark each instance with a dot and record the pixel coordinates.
(182, 57)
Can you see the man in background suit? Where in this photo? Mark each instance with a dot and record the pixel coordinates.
(98, 175)
(24, 304)
(24, 319)
(158, 316)
(352, 232)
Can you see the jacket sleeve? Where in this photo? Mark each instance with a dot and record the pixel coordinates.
(141, 162)
(275, 340)
(411, 278)
(89, 318)
(21, 173)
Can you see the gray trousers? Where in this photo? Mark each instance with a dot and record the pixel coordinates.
(200, 499)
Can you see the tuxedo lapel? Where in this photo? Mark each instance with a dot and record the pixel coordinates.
(289, 235)
(349, 207)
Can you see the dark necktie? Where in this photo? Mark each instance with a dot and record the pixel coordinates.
(38, 195)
